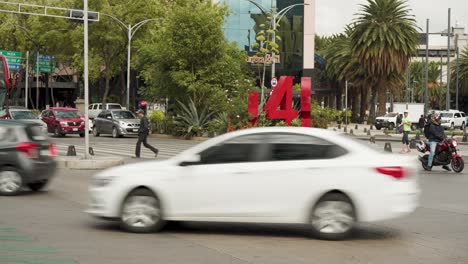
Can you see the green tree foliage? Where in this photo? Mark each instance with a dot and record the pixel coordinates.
(188, 57)
(384, 39)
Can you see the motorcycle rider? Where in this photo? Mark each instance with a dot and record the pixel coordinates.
(435, 134)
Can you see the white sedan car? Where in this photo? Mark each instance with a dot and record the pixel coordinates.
(266, 175)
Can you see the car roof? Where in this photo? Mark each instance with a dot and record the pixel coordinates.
(62, 109)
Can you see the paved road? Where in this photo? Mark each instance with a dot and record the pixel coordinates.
(51, 228)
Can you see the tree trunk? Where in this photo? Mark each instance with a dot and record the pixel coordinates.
(355, 104)
(364, 91)
(339, 93)
(123, 89)
(107, 88)
(372, 105)
(381, 92)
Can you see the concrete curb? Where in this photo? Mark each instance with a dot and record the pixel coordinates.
(394, 139)
(164, 136)
(95, 163)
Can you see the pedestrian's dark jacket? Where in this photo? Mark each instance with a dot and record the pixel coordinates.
(422, 122)
(399, 119)
(436, 132)
(144, 126)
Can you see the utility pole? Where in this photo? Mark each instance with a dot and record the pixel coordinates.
(426, 95)
(26, 82)
(456, 96)
(448, 63)
(37, 79)
(86, 77)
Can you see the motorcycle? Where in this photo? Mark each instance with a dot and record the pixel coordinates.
(445, 154)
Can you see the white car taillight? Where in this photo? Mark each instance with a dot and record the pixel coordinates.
(394, 172)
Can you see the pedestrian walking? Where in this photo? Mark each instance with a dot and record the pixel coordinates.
(406, 124)
(421, 123)
(143, 132)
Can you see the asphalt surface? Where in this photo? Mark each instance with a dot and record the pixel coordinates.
(50, 228)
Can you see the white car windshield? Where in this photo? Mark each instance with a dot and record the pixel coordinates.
(19, 115)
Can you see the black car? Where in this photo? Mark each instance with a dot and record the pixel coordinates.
(26, 157)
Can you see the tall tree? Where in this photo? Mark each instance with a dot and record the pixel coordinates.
(384, 40)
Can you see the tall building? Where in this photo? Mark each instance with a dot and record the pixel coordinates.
(297, 30)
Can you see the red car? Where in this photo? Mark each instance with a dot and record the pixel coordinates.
(62, 121)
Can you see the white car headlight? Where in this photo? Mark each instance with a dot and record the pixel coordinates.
(123, 123)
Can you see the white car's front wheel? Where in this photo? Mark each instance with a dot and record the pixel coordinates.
(141, 212)
(333, 217)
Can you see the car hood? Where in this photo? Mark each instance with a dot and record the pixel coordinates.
(129, 170)
(77, 119)
(130, 121)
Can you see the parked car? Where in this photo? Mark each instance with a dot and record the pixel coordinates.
(95, 109)
(453, 119)
(116, 122)
(21, 113)
(26, 157)
(62, 121)
(270, 175)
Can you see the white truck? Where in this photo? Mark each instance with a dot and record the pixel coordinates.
(95, 109)
(389, 120)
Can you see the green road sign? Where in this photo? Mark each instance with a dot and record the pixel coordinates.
(11, 60)
(7, 53)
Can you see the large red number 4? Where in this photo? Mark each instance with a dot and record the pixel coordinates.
(306, 91)
(280, 104)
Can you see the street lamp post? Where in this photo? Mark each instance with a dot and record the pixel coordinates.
(275, 17)
(131, 30)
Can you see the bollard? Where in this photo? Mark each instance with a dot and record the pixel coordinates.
(465, 139)
(365, 130)
(368, 132)
(351, 132)
(388, 147)
(91, 151)
(71, 151)
(385, 131)
(418, 137)
(372, 139)
(371, 127)
(412, 144)
(345, 129)
(339, 126)
(355, 127)
(334, 129)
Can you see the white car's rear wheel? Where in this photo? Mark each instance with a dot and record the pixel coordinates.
(333, 217)
(10, 181)
(141, 212)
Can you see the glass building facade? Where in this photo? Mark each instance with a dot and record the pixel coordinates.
(242, 24)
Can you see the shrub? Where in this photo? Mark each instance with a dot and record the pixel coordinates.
(190, 121)
(156, 119)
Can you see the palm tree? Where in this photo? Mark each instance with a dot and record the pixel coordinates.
(384, 39)
(462, 70)
(436, 90)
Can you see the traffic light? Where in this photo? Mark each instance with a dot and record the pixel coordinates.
(76, 16)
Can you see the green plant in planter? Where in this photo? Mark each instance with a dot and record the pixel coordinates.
(218, 125)
(190, 121)
(156, 119)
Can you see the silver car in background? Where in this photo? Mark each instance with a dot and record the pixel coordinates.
(118, 123)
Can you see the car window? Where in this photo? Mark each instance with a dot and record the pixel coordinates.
(463, 114)
(102, 115)
(301, 147)
(457, 115)
(7, 134)
(35, 133)
(108, 115)
(123, 115)
(99, 107)
(91, 107)
(3, 112)
(446, 115)
(241, 149)
(19, 115)
(66, 114)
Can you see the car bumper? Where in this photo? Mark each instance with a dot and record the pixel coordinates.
(72, 130)
(34, 171)
(100, 205)
(445, 125)
(128, 131)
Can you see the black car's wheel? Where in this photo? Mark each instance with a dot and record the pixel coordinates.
(57, 132)
(37, 186)
(458, 165)
(378, 127)
(141, 212)
(452, 126)
(95, 131)
(333, 217)
(82, 134)
(391, 126)
(10, 181)
(463, 126)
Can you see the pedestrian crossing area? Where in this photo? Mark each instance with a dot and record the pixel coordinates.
(123, 147)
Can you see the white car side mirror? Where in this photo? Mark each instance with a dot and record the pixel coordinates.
(191, 160)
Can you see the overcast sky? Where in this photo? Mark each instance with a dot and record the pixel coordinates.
(333, 15)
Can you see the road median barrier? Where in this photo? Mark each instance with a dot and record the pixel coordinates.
(94, 163)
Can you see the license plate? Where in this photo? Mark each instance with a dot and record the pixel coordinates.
(135, 130)
(75, 129)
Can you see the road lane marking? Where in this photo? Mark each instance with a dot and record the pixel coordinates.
(15, 238)
(28, 249)
(32, 260)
